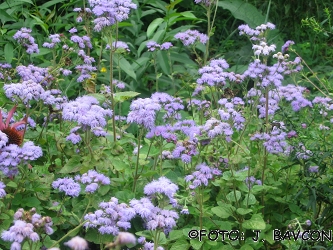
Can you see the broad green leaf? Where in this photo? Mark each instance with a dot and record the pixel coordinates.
(73, 165)
(9, 52)
(234, 196)
(159, 35)
(249, 199)
(180, 245)
(30, 202)
(243, 11)
(11, 184)
(153, 26)
(124, 96)
(163, 61)
(255, 223)
(196, 244)
(127, 68)
(243, 211)
(175, 234)
(188, 14)
(222, 212)
(5, 17)
(103, 190)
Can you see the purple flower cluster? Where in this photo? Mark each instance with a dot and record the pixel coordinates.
(143, 112)
(2, 189)
(203, 105)
(12, 155)
(152, 46)
(255, 34)
(93, 180)
(214, 74)
(274, 142)
(190, 37)
(185, 150)
(263, 49)
(162, 186)
(82, 42)
(170, 104)
(34, 73)
(26, 223)
(110, 12)
(231, 110)
(303, 152)
(250, 181)
(324, 103)
(111, 217)
(88, 114)
(202, 175)
(3, 139)
(55, 38)
(294, 94)
(119, 46)
(214, 128)
(154, 217)
(286, 46)
(204, 2)
(85, 69)
(165, 131)
(68, 186)
(26, 40)
(314, 169)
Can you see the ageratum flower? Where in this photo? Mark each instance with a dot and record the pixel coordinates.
(23, 37)
(214, 74)
(143, 112)
(77, 243)
(110, 12)
(190, 37)
(162, 186)
(111, 217)
(202, 175)
(2, 189)
(154, 217)
(68, 186)
(93, 180)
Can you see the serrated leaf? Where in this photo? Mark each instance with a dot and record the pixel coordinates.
(153, 26)
(243, 11)
(255, 223)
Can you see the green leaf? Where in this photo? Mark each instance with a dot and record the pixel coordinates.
(50, 3)
(4, 17)
(180, 245)
(100, 98)
(9, 52)
(124, 96)
(234, 196)
(243, 211)
(175, 234)
(73, 165)
(153, 26)
(246, 247)
(163, 61)
(249, 200)
(222, 212)
(103, 190)
(11, 3)
(195, 244)
(11, 184)
(127, 68)
(255, 223)
(30, 202)
(243, 11)
(119, 165)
